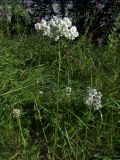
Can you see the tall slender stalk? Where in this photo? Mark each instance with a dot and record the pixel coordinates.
(21, 132)
(57, 103)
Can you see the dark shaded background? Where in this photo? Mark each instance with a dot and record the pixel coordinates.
(93, 18)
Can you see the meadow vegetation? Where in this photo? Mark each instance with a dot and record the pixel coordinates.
(43, 84)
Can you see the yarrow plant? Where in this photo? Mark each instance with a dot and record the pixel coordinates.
(57, 27)
(93, 98)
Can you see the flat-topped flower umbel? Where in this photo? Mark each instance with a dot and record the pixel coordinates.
(57, 27)
(93, 98)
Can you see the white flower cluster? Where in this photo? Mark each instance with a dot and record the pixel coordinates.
(16, 113)
(93, 98)
(58, 27)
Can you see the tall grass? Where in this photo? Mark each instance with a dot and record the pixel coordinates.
(54, 124)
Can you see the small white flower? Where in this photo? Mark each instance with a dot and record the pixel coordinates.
(52, 23)
(43, 23)
(57, 38)
(16, 113)
(71, 33)
(93, 98)
(68, 90)
(40, 92)
(67, 21)
(37, 26)
(46, 31)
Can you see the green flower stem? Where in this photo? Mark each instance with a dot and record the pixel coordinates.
(21, 132)
(57, 105)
